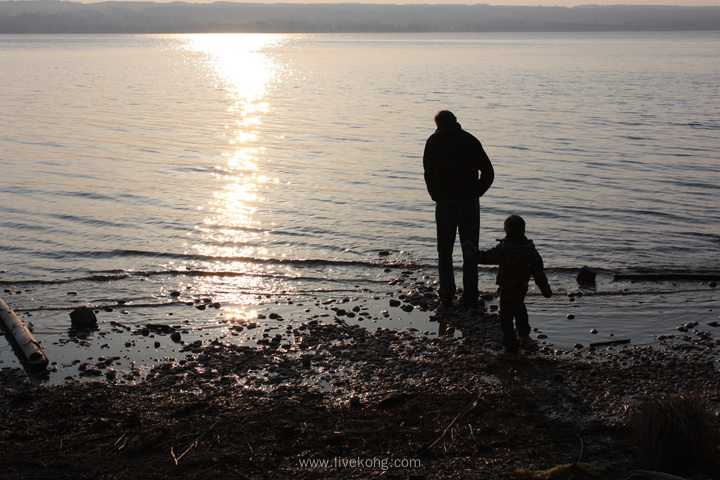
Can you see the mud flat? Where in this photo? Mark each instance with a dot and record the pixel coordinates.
(333, 398)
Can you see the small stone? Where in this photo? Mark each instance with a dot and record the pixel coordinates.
(594, 331)
(569, 316)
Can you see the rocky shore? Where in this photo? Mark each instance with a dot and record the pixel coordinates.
(345, 401)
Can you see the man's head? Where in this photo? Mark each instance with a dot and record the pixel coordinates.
(445, 118)
(514, 226)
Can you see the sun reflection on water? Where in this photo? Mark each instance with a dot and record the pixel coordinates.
(231, 235)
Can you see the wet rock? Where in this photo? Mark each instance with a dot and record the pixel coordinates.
(83, 317)
(306, 361)
(586, 276)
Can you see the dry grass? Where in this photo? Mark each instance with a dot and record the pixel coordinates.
(675, 431)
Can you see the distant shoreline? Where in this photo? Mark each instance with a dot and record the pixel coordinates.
(57, 17)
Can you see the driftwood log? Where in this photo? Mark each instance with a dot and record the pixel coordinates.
(656, 277)
(619, 341)
(22, 341)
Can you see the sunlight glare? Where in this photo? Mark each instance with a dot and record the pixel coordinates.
(231, 234)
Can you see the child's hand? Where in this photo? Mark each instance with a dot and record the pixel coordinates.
(546, 291)
(470, 252)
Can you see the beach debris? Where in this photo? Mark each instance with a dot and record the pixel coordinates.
(649, 475)
(619, 341)
(392, 399)
(83, 317)
(569, 470)
(657, 277)
(22, 341)
(586, 276)
(140, 442)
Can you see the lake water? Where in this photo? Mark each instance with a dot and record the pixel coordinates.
(251, 169)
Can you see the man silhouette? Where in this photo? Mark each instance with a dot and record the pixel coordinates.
(452, 160)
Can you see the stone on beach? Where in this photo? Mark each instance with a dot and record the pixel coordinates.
(83, 317)
(586, 276)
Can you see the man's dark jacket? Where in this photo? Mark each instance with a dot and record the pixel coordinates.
(451, 161)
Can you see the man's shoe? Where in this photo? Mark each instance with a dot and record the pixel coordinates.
(527, 343)
(446, 304)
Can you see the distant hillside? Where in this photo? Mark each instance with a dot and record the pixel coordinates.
(147, 17)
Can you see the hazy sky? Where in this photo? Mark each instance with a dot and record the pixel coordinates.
(563, 3)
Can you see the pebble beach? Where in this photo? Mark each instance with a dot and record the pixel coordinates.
(322, 381)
